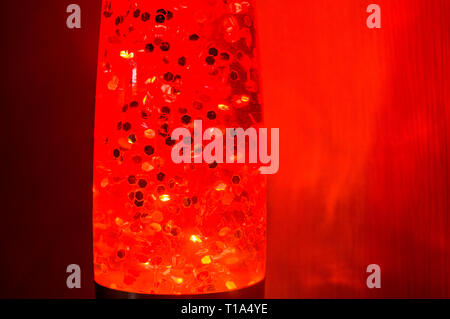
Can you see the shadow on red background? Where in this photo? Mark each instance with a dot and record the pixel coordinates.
(363, 116)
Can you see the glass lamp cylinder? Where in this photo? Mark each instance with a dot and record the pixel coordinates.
(161, 227)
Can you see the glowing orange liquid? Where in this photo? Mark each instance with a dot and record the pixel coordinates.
(160, 227)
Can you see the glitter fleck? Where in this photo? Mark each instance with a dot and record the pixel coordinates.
(149, 150)
(178, 280)
(195, 239)
(147, 167)
(211, 115)
(126, 55)
(206, 260)
(194, 37)
(164, 198)
(221, 187)
(149, 47)
(104, 183)
(165, 46)
(230, 285)
(149, 133)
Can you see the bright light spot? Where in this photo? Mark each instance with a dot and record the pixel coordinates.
(150, 80)
(223, 107)
(206, 260)
(134, 76)
(178, 280)
(126, 55)
(245, 98)
(195, 239)
(164, 198)
(230, 285)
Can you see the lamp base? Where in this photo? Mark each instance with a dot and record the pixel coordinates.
(253, 292)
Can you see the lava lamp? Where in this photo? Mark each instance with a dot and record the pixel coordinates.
(162, 228)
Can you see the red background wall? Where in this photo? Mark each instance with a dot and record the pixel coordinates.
(363, 116)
